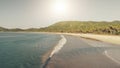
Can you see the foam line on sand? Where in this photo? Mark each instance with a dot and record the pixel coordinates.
(56, 49)
(106, 53)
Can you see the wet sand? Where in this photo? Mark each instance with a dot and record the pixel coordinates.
(80, 53)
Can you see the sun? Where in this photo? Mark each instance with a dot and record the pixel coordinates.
(59, 7)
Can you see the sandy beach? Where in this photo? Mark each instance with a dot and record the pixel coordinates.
(80, 53)
(114, 39)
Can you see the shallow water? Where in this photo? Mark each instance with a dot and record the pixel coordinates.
(25, 50)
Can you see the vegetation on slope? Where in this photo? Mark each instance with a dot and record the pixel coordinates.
(85, 27)
(3, 29)
(13, 30)
(77, 27)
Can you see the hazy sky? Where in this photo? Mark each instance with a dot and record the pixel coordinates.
(41, 13)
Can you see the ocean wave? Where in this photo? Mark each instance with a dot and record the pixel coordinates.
(59, 46)
(56, 49)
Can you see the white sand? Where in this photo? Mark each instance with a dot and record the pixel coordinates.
(106, 38)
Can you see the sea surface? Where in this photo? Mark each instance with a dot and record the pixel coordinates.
(25, 50)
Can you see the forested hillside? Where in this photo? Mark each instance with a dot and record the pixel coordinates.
(77, 27)
(3, 29)
(85, 27)
(13, 30)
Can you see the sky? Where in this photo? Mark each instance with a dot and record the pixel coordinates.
(42, 13)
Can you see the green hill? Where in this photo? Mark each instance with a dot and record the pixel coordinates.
(3, 29)
(85, 27)
(10, 30)
(76, 27)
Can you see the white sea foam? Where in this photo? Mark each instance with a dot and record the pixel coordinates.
(58, 46)
(106, 53)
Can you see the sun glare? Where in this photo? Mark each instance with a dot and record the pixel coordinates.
(59, 7)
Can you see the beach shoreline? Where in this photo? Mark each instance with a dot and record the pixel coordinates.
(79, 53)
(113, 39)
(47, 57)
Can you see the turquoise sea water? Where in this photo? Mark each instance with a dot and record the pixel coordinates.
(25, 50)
